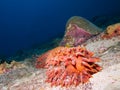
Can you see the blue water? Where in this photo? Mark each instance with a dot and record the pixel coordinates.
(24, 23)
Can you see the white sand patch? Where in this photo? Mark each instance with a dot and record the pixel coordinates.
(107, 79)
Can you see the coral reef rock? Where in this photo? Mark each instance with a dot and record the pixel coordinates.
(84, 24)
(78, 30)
(112, 31)
(75, 36)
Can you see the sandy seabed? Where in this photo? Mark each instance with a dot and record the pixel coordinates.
(29, 78)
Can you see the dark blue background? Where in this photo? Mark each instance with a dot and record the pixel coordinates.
(27, 22)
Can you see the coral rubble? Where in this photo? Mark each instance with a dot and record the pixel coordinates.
(5, 67)
(70, 66)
